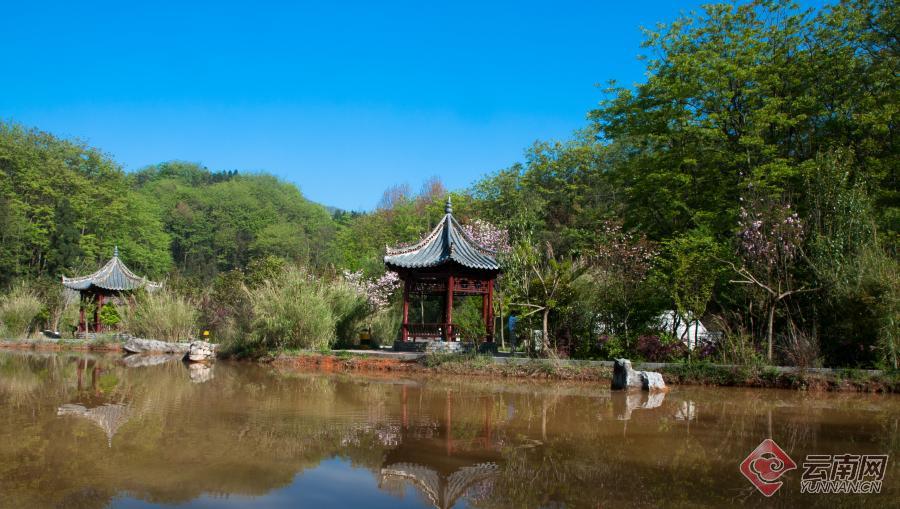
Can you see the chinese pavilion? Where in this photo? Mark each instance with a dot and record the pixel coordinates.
(107, 284)
(446, 263)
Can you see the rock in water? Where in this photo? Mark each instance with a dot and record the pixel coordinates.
(201, 351)
(137, 345)
(653, 382)
(624, 377)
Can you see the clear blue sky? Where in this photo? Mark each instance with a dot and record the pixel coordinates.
(343, 99)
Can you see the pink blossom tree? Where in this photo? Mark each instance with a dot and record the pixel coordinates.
(770, 239)
(488, 235)
(376, 291)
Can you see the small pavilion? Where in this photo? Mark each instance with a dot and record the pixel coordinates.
(107, 284)
(446, 263)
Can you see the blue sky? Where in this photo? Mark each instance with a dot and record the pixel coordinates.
(343, 99)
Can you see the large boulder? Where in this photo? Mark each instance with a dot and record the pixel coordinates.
(137, 345)
(652, 381)
(625, 378)
(201, 351)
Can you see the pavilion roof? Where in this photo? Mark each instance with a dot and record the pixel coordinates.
(448, 242)
(112, 276)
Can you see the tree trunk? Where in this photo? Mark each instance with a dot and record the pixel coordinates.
(769, 331)
(546, 337)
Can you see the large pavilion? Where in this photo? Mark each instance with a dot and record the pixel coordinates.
(107, 284)
(447, 263)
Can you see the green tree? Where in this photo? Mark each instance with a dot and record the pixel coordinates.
(689, 269)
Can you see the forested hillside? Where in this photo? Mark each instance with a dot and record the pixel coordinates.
(750, 180)
(64, 206)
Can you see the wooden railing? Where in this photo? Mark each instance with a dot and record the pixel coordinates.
(436, 331)
(424, 330)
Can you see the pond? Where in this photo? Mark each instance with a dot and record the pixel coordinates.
(83, 430)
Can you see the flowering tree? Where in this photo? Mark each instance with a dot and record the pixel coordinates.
(770, 239)
(619, 268)
(377, 291)
(496, 239)
(488, 235)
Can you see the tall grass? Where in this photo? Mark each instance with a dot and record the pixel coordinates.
(18, 310)
(385, 324)
(160, 315)
(297, 309)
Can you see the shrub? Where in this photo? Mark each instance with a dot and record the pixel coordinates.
(665, 348)
(610, 347)
(18, 309)
(736, 345)
(109, 315)
(160, 315)
(468, 320)
(225, 308)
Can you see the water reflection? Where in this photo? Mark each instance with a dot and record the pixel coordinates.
(109, 417)
(200, 373)
(444, 466)
(92, 431)
(625, 402)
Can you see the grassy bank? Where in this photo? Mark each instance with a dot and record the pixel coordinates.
(548, 369)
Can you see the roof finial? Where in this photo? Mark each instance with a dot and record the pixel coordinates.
(116, 251)
(449, 208)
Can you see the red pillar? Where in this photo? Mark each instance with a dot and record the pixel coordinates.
(82, 325)
(99, 301)
(405, 326)
(489, 320)
(448, 312)
(484, 312)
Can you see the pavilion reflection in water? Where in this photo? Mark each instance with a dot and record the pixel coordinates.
(441, 467)
(109, 417)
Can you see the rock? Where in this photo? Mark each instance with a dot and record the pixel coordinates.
(652, 381)
(137, 345)
(200, 373)
(201, 351)
(624, 377)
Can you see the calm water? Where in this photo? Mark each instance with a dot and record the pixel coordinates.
(79, 430)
